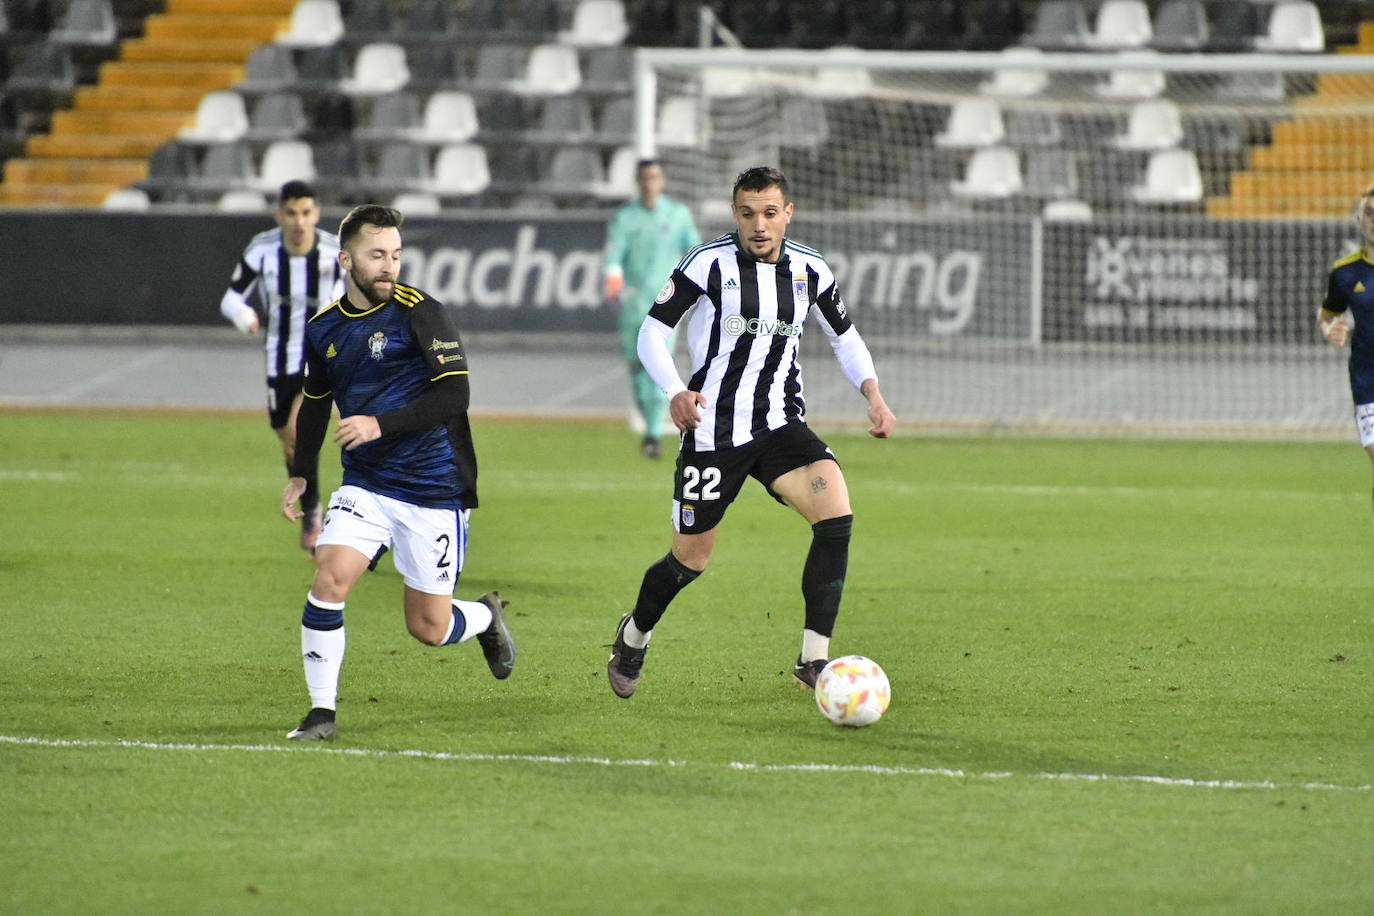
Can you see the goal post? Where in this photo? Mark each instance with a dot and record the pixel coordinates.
(1084, 242)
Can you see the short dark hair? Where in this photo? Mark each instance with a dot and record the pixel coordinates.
(760, 178)
(295, 190)
(643, 164)
(367, 214)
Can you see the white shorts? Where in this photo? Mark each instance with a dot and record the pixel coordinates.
(428, 546)
(1364, 422)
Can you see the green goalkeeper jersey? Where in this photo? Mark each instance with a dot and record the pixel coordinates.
(646, 245)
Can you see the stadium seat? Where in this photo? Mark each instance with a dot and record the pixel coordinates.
(417, 203)
(461, 170)
(1020, 77)
(1181, 25)
(483, 19)
(220, 118)
(609, 70)
(842, 80)
(972, 122)
(1122, 24)
(1172, 176)
(87, 23)
(379, 68)
(1133, 83)
(433, 66)
(1030, 127)
(268, 69)
(802, 122)
(1067, 211)
(277, 116)
(321, 69)
(564, 119)
(678, 121)
(616, 122)
(503, 119)
(283, 161)
(45, 70)
(550, 70)
(396, 114)
(597, 23)
(1152, 124)
(429, 20)
(498, 67)
(241, 200)
(536, 20)
(1059, 25)
(1051, 174)
(128, 200)
(401, 167)
(993, 172)
(449, 117)
(314, 23)
(1294, 25)
(226, 166)
(991, 25)
(574, 171)
(172, 165)
(661, 24)
(622, 174)
(1234, 26)
(1251, 86)
(369, 19)
(338, 164)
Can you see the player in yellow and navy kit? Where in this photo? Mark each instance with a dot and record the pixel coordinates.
(389, 357)
(1350, 291)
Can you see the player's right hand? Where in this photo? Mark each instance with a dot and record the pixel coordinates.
(247, 321)
(1337, 332)
(685, 409)
(295, 488)
(615, 284)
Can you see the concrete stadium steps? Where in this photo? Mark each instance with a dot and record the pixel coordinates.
(188, 50)
(207, 77)
(118, 172)
(143, 98)
(260, 28)
(138, 98)
(1319, 160)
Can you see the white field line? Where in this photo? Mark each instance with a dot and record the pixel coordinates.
(736, 766)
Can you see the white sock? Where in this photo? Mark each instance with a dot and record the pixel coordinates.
(476, 615)
(814, 646)
(634, 637)
(322, 653)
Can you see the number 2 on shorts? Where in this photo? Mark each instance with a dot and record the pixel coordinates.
(707, 478)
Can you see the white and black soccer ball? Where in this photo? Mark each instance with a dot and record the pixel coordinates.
(853, 691)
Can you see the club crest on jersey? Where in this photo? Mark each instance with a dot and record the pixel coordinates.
(666, 293)
(376, 344)
(801, 291)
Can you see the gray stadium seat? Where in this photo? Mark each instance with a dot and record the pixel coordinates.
(616, 123)
(277, 116)
(46, 70)
(1181, 25)
(401, 167)
(1234, 26)
(1051, 174)
(368, 20)
(390, 116)
(1059, 25)
(564, 119)
(429, 19)
(269, 68)
(87, 23)
(225, 166)
(608, 70)
(1027, 127)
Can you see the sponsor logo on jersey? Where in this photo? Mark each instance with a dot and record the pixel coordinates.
(437, 344)
(331, 352)
(666, 293)
(729, 283)
(738, 325)
(1359, 286)
(376, 344)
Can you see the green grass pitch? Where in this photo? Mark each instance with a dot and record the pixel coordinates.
(1128, 677)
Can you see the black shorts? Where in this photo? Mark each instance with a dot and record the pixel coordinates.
(281, 394)
(707, 482)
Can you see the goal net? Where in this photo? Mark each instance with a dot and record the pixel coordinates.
(1124, 242)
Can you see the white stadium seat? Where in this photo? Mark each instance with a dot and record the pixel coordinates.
(1152, 124)
(314, 24)
(992, 173)
(973, 122)
(597, 23)
(1172, 176)
(379, 68)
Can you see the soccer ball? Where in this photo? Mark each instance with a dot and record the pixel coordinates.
(852, 691)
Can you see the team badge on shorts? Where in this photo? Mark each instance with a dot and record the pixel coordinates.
(377, 343)
(689, 516)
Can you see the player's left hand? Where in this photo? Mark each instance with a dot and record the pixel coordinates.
(882, 419)
(295, 488)
(354, 431)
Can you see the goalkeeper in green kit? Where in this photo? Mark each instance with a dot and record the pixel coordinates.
(644, 241)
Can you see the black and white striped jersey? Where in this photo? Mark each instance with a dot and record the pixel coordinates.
(286, 289)
(744, 323)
